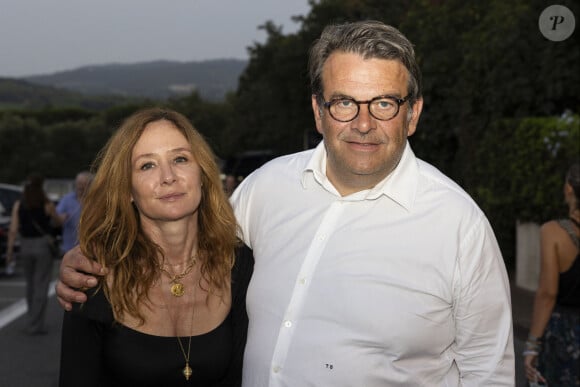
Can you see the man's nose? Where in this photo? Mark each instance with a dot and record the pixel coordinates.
(364, 122)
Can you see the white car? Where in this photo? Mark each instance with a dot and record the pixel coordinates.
(9, 193)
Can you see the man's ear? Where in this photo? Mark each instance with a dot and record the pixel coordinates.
(317, 110)
(414, 121)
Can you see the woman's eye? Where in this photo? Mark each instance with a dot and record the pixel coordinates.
(181, 159)
(146, 166)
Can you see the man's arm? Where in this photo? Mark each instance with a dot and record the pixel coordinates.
(76, 272)
(482, 309)
(61, 210)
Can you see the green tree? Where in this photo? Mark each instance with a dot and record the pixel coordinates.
(212, 119)
(70, 149)
(272, 106)
(20, 153)
(521, 176)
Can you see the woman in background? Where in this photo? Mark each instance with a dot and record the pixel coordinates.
(32, 218)
(554, 339)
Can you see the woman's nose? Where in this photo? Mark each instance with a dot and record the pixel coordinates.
(168, 176)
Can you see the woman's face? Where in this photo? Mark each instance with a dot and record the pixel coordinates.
(165, 178)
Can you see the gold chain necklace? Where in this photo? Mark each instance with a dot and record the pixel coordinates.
(187, 371)
(177, 289)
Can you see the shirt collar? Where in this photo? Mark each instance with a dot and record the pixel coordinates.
(400, 185)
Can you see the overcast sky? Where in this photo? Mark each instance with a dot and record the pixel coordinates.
(45, 36)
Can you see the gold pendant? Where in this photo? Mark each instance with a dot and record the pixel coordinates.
(177, 289)
(187, 371)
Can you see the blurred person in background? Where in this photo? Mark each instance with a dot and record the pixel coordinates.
(552, 353)
(69, 211)
(230, 184)
(33, 218)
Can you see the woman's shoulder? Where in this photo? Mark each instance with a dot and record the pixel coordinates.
(556, 231)
(244, 257)
(243, 265)
(245, 252)
(551, 226)
(97, 307)
(556, 225)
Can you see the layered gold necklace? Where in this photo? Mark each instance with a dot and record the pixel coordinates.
(187, 370)
(177, 289)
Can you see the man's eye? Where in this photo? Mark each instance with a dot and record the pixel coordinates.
(384, 104)
(344, 103)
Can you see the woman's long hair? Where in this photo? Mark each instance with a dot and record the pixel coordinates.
(33, 195)
(109, 229)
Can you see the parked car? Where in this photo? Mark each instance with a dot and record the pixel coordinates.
(9, 194)
(242, 164)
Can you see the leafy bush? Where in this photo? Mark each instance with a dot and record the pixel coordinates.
(520, 168)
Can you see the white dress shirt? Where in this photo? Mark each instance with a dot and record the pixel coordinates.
(399, 285)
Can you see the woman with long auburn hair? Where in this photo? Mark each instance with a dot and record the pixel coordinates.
(171, 310)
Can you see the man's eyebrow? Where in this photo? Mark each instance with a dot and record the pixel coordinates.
(339, 96)
(334, 96)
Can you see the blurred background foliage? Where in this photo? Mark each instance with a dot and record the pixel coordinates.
(500, 114)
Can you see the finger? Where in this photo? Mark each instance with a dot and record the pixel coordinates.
(81, 263)
(541, 379)
(530, 370)
(75, 279)
(78, 262)
(68, 295)
(65, 305)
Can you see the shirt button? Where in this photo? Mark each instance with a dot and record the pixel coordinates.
(287, 323)
(302, 281)
(276, 369)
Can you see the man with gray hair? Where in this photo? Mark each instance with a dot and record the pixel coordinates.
(372, 268)
(69, 211)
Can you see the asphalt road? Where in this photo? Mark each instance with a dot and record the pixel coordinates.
(27, 361)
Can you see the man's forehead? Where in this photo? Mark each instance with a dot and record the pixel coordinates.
(345, 73)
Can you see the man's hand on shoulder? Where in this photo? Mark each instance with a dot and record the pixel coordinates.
(77, 273)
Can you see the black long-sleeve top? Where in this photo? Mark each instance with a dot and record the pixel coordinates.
(97, 351)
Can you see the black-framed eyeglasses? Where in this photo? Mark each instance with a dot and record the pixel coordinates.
(383, 107)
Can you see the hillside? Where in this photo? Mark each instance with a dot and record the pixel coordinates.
(156, 80)
(20, 94)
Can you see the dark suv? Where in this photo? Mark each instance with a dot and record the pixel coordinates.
(241, 165)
